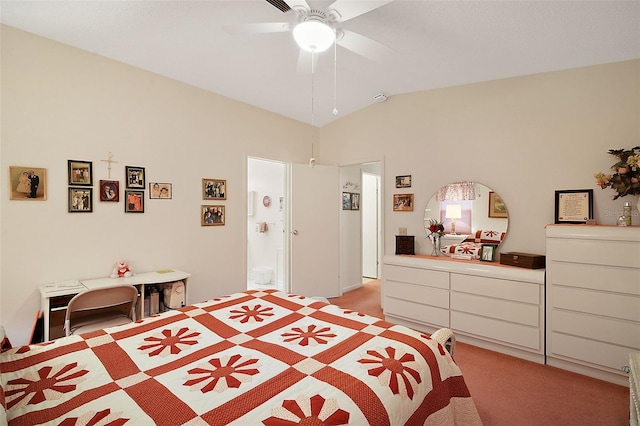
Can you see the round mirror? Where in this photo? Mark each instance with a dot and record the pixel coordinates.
(472, 214)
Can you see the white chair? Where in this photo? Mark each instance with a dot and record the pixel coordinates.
(445, 337)
(100, 308)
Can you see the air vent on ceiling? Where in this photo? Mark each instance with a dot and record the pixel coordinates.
(280, 4)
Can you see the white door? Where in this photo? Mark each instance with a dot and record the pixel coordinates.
(314, 230)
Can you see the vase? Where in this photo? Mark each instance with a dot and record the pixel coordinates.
(435, 242)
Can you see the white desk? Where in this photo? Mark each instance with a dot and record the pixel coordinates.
(55, 297)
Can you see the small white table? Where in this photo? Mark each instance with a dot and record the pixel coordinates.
(55, 297)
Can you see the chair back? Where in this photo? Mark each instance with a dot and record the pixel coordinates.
(100, 304)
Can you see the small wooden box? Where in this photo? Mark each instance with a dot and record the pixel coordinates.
(523, 260)
(405, 244)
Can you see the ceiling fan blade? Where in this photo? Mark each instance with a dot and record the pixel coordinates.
(343, 10)
(260, 28)
(305, 66)
(364, 46)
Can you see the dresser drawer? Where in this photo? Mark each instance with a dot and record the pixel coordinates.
(609, 330)
(594, 252)
(596, 277)
(504, 310)
(491, 287)
(505, 332)
(417, 293)
(590, 351)
(417, 312)
(417, 276)
(611, 305)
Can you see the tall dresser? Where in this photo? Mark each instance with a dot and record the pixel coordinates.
(593, 299)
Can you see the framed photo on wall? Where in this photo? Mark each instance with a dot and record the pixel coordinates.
(497, 207)
(355, 201)
(214, 189)
(80, 173)
(212, 215)
(135, 177)
(402, 202)
(403, 181)
(133, 201)
(27, 183)
(160, 191)
(346, 201)
(110, 190)
(574, 206)
(80, 200)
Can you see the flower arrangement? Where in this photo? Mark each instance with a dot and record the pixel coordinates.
(625, 179)
(436, 228)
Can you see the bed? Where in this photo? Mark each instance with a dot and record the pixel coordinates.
(472, 245)
(251, 358)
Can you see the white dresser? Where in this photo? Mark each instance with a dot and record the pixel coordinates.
(486, 304)
(593, 299)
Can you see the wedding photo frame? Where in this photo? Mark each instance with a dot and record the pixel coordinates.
(27, 183)
(80, 200)
(80, 173)
(212, 215)
(110, 191)
(135, 177)
(160, 191)
(497, 207)
(402, 202)
(574, 206)
(133, 201)
(214, 189)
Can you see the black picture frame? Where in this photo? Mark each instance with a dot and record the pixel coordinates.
(80, 173)
(133, 201)
(134, 177)
(573, 206)
(80, 200)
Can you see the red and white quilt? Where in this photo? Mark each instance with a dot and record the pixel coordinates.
(253, 358)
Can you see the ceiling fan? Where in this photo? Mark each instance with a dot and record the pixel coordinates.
(321, 23)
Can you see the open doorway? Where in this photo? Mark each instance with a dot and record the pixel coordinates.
(266, 224)
(371, 226)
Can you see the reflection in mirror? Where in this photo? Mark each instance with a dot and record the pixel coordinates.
(472, 215)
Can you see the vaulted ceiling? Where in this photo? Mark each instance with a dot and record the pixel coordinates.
(433, 44)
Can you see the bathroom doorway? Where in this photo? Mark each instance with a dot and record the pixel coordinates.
(266, 224)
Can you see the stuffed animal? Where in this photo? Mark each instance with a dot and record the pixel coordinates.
(121, 270)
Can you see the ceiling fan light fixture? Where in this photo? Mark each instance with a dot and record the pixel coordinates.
(314, 36)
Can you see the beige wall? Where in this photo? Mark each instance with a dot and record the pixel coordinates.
(61, 103)
(525, 137)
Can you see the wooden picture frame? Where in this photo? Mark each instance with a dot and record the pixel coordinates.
(135, 177)
(110, 191)
(212, 215)
(80, 200)
(402, 202)
(497, 207)
(488, 252)
(160, 191)
(80, 173)
(20, 187)
(573, 206)
(133, 201)
(214, 189)
(403, 181)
